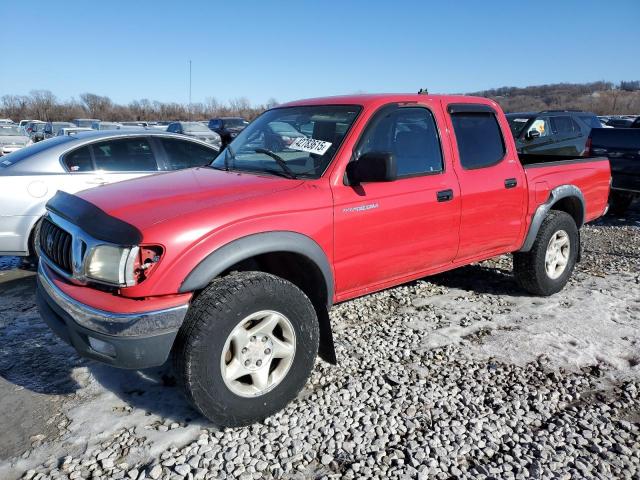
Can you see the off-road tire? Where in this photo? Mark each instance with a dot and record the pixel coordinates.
(210, 320)
(619, 203)
(529, 267)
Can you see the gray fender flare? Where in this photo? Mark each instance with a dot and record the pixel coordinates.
(557, 194)
(282, 241)
(246, 247)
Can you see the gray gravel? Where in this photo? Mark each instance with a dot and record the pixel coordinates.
(399, 405)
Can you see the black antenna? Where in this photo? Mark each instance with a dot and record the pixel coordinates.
(423, 91)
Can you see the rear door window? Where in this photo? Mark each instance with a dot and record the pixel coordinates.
(124, 155)
(479, 139)
(184, 154)
(563, 125)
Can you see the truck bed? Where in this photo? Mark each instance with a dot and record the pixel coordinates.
(590, 174)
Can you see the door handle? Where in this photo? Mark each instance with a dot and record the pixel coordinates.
(510, 183)
(445, 195)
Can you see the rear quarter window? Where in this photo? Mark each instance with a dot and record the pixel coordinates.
(479, 139)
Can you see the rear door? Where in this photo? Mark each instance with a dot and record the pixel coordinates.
(568, 136)
(385, 231)
(492, 182)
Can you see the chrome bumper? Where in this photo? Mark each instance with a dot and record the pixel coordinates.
(135, 340)
(109, 323)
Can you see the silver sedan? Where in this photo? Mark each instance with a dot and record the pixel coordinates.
(30, 176)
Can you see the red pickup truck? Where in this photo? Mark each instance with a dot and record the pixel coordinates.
(232, 268)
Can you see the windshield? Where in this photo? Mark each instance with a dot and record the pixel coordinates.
(195, 128)
(9, 131)
(517, 124)
(266, 146)
(234, 122)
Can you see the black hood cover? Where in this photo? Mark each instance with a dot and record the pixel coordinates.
(91, 219)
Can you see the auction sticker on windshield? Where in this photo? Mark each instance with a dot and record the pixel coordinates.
(310, 145)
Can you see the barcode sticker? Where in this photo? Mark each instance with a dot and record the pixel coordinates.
(310, 145)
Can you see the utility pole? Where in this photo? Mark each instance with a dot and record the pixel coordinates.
(189, 89)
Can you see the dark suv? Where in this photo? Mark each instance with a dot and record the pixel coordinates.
(227, 127)
(552, 132)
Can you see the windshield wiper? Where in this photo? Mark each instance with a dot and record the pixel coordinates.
(279, 160)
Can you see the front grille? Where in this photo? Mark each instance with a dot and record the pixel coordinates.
(56, 245)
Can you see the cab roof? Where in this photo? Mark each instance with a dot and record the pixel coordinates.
(378, 98)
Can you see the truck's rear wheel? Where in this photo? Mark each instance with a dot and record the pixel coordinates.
(546, 268)
(246, 348)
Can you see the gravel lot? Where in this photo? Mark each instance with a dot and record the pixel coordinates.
(456, 376)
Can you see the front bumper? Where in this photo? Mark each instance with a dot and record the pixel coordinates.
(131, 340)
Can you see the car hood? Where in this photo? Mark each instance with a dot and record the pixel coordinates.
(146, 201)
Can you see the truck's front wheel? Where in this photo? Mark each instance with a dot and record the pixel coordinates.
(546, 268)
(246, 348)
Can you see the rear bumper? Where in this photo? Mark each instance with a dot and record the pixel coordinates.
(132, 340)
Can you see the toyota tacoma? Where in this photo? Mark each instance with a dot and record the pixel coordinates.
(231, 269)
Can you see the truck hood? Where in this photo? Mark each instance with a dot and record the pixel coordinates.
(146, 201)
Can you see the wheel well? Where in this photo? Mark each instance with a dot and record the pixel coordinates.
(572, 206)
(304, 274)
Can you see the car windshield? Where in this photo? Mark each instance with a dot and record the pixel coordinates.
(195, 127)
(234, 122)
(38, 127)
(262, 148)
(517, 124)
(9, 131)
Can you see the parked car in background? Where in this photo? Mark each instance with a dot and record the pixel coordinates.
(6, 121)
(195, 130)
(552, 132)
(622, 147)
(12, 139)
(51, 129)
(30, 128)
(233, 268)
(36, 131)
(31, 176)
(72, 131)
(636, 123)
(106, 126)
(85, 122)
(227, 127)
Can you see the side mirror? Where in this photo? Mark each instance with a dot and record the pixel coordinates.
(531, 134)
(373, 167)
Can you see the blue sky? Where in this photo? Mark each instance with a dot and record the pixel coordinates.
(287, 50)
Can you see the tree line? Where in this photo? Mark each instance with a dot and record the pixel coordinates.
(602, 98)
(44, 105)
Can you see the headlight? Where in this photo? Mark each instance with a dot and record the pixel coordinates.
(113, 265)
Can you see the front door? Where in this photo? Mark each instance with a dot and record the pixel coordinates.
(386, 231)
